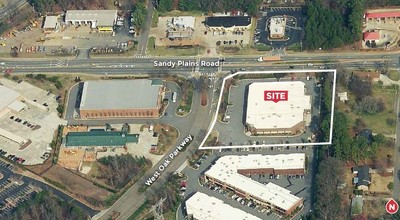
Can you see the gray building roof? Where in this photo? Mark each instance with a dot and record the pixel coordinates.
(119, 94)
(50, 22)
(101, 17)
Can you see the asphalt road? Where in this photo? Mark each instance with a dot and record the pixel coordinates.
(146, 65)
(144, 35)
(10, 7)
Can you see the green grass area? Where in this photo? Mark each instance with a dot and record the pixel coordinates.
(154, 19)
(262, 47)
(139, 212)
(175, 13)
(394, 75)
(170, 216)
(172, 51)
(377, 122)
(294, 47)
(185, 106)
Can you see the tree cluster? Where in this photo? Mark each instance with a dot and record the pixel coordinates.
(248, 6)
(369, 105)
(328, 198)
(139, 13)
(333, 23)
(119, 170)
(169, 191)
(44, 205)
(43, 6)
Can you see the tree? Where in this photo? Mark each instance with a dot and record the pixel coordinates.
(360, 88)
(165, 5)
(369, 105)
(328, 199)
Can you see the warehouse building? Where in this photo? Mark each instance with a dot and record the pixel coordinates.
(277, 27)
(121, 99)
(204, 207)
(266, 116)
(102, 20)
(228, 23)
(99, 138)
(231, 172)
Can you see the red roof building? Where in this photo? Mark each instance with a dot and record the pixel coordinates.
(382, 15)
(369, 36)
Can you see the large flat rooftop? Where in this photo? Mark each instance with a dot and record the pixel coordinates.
(263, 114)
(120, 94)
(205, 207)
(226, 167)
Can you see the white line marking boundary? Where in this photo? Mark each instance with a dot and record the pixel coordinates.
(201, 147)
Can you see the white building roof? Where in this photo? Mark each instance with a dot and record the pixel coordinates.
(283, 114)
(17, 106)
(204, 207)
(7, 96)
(225, 170)
(184, 21)
(50, 22)
(100, 17)
(277, 26)
(120, 94)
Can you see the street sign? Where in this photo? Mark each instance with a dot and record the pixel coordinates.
(275, 96)
(392, 206)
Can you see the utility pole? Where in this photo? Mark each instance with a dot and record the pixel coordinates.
(157, 210)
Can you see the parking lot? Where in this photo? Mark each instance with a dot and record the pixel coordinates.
(36, 123)
(13, 191)
(298, 185)
(293, 29)
(232, 131)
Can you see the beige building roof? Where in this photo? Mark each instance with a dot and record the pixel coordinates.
(50, 22)
(263, 114)
(7, 96)
(204, 207)
(225, 170)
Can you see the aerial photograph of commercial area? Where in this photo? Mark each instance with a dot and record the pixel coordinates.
(199, 109)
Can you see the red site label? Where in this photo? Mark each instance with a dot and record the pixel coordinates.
(275, 95)
(392, 206)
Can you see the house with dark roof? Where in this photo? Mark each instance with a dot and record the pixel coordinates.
(363, 178)
(367, 134)
(228, 23)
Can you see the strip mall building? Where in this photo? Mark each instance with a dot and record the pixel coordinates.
(231, 172)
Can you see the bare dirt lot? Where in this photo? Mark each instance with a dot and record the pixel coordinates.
(76, 184)
(380, 183)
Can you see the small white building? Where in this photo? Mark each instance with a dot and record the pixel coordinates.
(50, 24)
(184, 22)
(277, 27)
(343, 96)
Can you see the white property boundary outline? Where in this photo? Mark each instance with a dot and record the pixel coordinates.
(201, 147)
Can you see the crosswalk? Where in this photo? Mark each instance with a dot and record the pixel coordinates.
(284, 9)
(58, 63)
(278, 52)
(141, 56)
